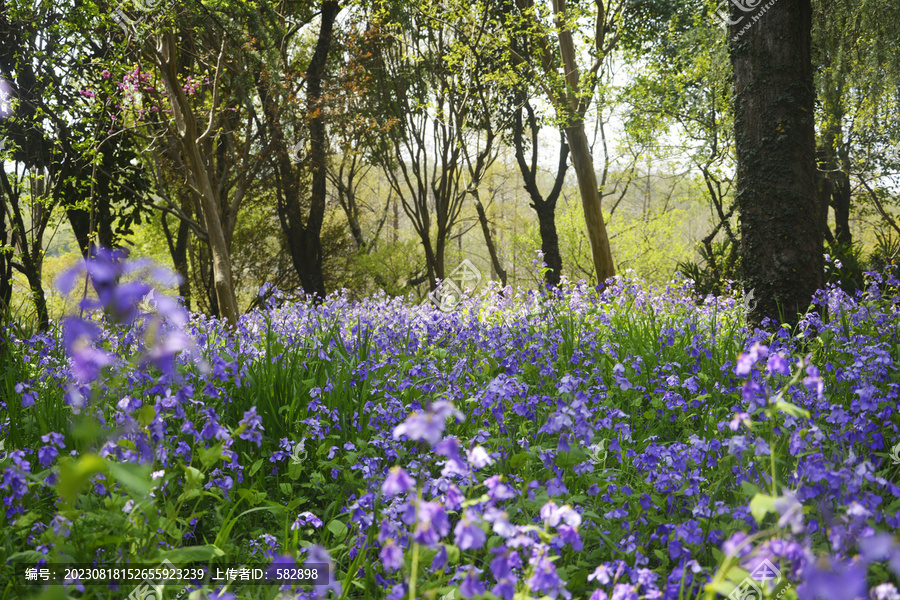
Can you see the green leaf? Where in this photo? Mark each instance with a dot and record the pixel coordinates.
(791, 409)
(209, 456)
(133, 476)
(27, 557)
(517, 461)
(760, 506)
(749, 489)
(338, 529)
(73, 475)
(188, 494)
(253, 497)
(146, 415)
(191, 554)
(194, 477)
(255, 467)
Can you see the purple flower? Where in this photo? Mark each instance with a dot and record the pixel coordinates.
(306, 518)
(814, 381)
(736, 546)
(61, 526)
(46, 455)
(28, 395)
(440, 559)
(777, 363)
(602, 574)
(746, 361)
(845, 582)
(320, 556)
(545, 578)
(878, 547)
(479, 458)
(391, 556)
(791, 512)
(500, 521)
(469, 534)
(569, 535)
(885, 591)
(497, 490)
(433, 524)
(253, 427)
(78, 339)
(471, 585)
(129, 404)
(428, 426)
(739, 418)
(398, 481)
(553, 515)
(623, 591)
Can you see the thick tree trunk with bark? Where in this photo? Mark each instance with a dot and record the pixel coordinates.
(590, 201)
(549, 242)
(840, 202)
(781, 234)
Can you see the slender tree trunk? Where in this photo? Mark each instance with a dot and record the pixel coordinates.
(573, 107)
(178, 249)
(304, 236)
(37, 295)
(824, 189)
(5, 265)
(314, 281)
(189, 137)
(396, 223)
(781, 236)
(489, 240)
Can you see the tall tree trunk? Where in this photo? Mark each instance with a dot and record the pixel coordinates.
(573, 108)
(835, 159)
(396, 221)
(824, 189)
(178, 249)
(31, 251)
(318, 151)
(33, 275)
(590, 201)
(489, 240)
(5, 264)
(781, 236)
(304, 238)
(190, 139)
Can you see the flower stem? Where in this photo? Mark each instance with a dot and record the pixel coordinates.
(415, 555)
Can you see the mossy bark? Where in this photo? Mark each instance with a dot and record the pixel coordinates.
(781, 232)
